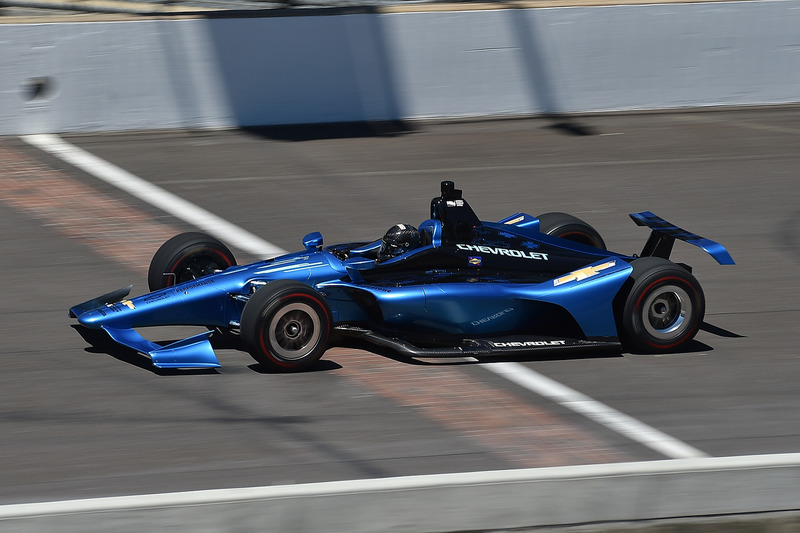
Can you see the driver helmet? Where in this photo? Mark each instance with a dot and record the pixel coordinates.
(398, 240)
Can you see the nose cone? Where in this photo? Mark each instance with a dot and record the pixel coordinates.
(119, 314)
(94, 318)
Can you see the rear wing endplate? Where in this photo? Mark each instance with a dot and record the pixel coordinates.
(664, 234)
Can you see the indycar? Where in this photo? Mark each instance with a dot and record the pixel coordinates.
(455, 286)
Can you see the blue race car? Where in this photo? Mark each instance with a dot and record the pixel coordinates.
(455, 286)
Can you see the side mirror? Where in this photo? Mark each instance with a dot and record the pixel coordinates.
(313, 241)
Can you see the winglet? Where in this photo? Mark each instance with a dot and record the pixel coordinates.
(194, 352)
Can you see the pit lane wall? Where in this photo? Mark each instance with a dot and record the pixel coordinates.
(316, 66)
(616, 497)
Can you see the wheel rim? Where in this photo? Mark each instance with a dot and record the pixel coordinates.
(667, 312)
(294, 331)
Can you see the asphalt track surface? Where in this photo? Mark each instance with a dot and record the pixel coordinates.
(79, 421)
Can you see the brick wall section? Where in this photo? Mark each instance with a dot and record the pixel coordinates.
(109, 227)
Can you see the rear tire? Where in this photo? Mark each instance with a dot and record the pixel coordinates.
(186, 257)
(570, 228)
(663, 309)
(286, 326)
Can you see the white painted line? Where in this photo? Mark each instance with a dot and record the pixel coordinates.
(594, 410)
(404, 483)
(155, 196)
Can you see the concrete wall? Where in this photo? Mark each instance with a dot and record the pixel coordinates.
(335, 66)
(590, 495)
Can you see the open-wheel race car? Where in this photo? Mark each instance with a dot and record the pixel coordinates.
(455, 286)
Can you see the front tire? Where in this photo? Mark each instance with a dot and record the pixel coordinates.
(186, 257)
(664, 308)
(570, 228)
(286, 326)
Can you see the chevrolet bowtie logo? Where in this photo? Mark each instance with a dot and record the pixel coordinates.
(583, 273)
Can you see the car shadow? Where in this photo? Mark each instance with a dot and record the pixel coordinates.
(323, 365)
(720, 332)
(693, 347)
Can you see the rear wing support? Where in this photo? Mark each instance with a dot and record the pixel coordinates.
(664, 234)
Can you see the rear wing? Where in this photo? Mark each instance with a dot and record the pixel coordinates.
(664, 234)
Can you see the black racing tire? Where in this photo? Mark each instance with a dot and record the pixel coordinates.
(663, 308)
(570, 228)
(186, 257)
(286, 326)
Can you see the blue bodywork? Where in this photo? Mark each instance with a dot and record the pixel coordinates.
(496, 286)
